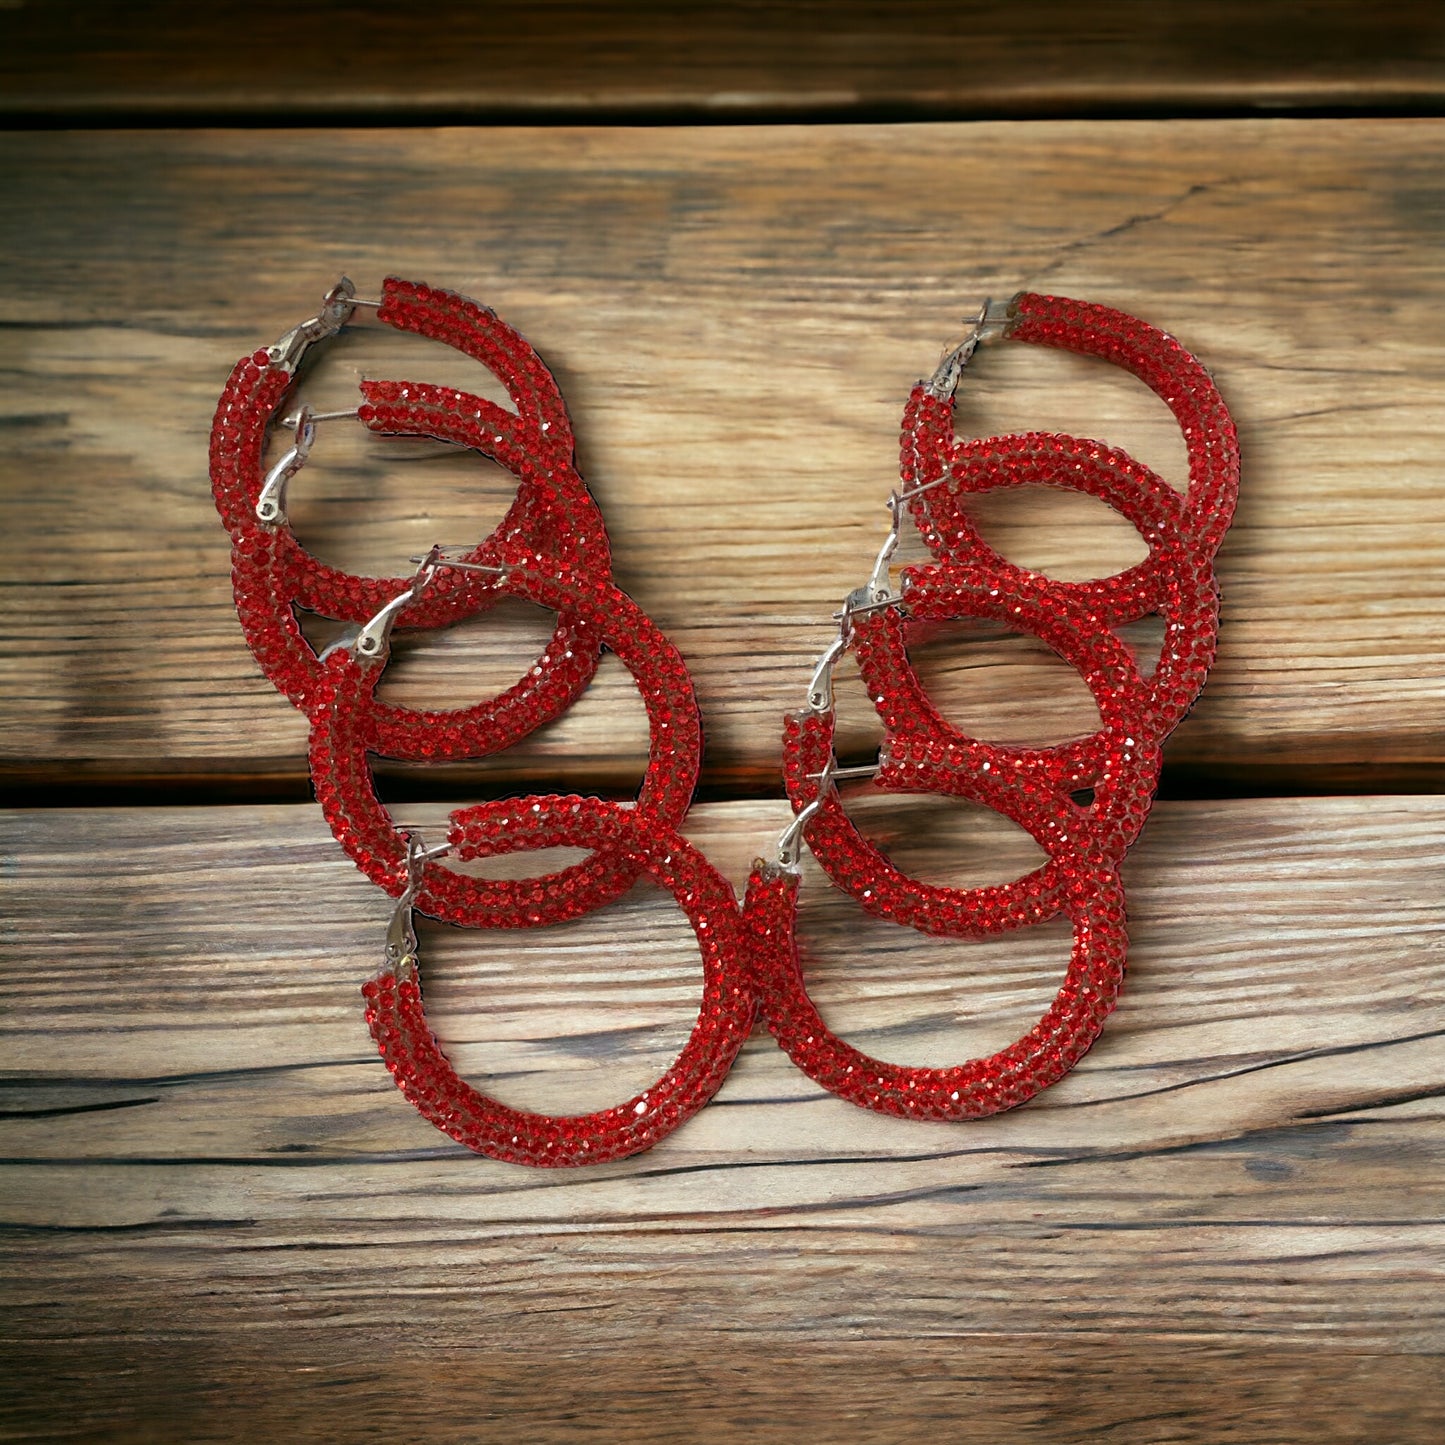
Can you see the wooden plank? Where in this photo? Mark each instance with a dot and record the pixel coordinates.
(457, 1381)
(1229, 1215)
(732, 61)
(735, 316)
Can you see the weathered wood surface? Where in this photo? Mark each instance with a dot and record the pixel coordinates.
(459, 1383)
(222, 1217)
(222, 1222)
(735, 316)
(920, 58)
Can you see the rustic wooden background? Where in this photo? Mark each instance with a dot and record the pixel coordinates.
(220, 1220)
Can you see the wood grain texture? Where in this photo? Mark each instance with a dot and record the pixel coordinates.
(735, 316)
(728, 60)
(1225, 1225)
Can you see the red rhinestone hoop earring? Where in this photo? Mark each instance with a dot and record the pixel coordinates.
(1155, 357)
(923, 753)
(1094, 902)
(341, 739)
(1115, 769)
(422, 1071)
(553, 512)
(538, 437)
(939, 471)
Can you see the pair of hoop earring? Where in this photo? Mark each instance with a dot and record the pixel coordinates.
(1084, 802)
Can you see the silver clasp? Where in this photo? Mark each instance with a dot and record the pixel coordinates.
(371, 643)
(790, 843)
(871, 598)
(271, 503)
(992, 320)
(880, 582)
(401, 931)
(838, 775)
(820, 690)
(337, 307)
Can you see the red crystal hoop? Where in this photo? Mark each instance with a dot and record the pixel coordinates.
(423, 1073)
(538, 437)
(1111, 760)
(341, 739)
(929, 446)
(1012, 1076)
(536, 445)
(553, 512)
(1031, 786)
